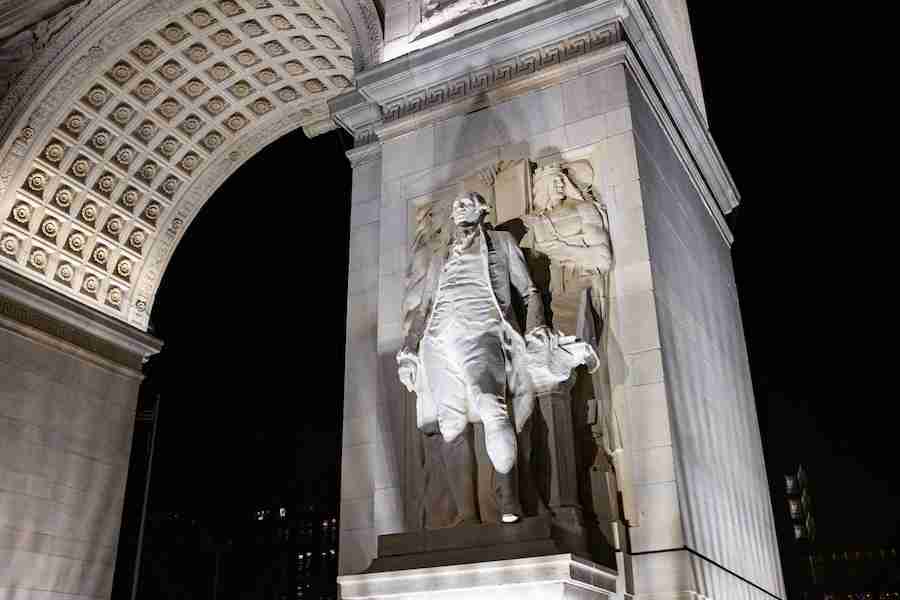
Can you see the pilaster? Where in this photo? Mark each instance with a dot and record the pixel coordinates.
(359, 462)
(69, 378)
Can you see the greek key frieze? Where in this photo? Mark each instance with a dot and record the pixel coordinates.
(502, 73)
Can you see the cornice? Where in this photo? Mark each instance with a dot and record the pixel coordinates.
(530, 49)
(650, 48)
(360, 118)
(35, 311)
(531, 70)
(361, 155)
(680, 144)
(498, 41)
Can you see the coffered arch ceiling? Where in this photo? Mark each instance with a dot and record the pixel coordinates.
(119, 153)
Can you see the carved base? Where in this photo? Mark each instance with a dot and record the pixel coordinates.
(547, 577)
(560, 533)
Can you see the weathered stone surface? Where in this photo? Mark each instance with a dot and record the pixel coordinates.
(557, 576)
(68, 388)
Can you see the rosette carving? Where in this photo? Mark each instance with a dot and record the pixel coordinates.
(10, 244)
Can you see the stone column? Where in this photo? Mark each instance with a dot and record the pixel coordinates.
(69, 379)
(361, 380)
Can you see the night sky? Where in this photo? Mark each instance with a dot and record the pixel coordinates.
(252, 306)
(252, 310)
(791, 114)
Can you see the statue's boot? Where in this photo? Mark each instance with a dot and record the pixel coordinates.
(507, 490)
(459, 460)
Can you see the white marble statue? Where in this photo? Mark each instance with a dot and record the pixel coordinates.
(461, 335)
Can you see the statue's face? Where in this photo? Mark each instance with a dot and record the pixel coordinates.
(466, 210)
(557, 190)
(549, 193)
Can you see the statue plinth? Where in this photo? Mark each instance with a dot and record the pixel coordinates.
(543, 535)
(529, 559)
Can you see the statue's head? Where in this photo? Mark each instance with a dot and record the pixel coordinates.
(552, 187)
(469, 209)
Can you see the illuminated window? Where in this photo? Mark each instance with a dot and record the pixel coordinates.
(799, 532)
(282, 512)
(790, 484)
(794, 506)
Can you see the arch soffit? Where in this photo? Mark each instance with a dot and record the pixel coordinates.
(130, 127)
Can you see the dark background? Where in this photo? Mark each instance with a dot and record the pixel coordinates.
(252, 306)
(793, 114)
(252, 310)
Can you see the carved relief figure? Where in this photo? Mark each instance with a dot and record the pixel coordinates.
(568, 226)
(572, 231)
(438, 13)
(461, 339)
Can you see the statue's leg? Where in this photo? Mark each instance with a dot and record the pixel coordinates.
(459, 460)
(458, 454)
(484, 367)
(500, 441)
(448, 390)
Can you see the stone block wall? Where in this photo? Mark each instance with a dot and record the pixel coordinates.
(694, 485)
(585, 117)
(710, 450)
(66, 421)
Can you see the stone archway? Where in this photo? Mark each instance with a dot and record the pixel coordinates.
(137, 113)
(607, 81)
(111, 140)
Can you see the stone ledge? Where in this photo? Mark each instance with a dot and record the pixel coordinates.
(553, 576)
(542, 535)
(33, 310)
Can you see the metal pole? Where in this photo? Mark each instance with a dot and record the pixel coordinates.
(216, 575)
(140, 543)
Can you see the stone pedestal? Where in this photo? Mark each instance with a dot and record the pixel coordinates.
(530, 559)
(468, 543)
(551, 577)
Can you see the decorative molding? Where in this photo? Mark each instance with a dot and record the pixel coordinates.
(193, 199)
(486, 577)
(525, 65)
(365, 28)
(165, 90)
(680, 144)
(657, 59)
(471, 70)
(361, 119)
(365, 153)
(35, 311)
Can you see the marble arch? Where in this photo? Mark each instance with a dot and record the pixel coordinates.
(129, 116)
(139, 110)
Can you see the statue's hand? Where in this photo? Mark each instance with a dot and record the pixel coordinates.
(542, 337)
(407, 374)
(407, 369)
(557, 251)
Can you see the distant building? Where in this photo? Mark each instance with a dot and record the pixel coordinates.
(821, 571)
(288, 552)
(282, 552)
